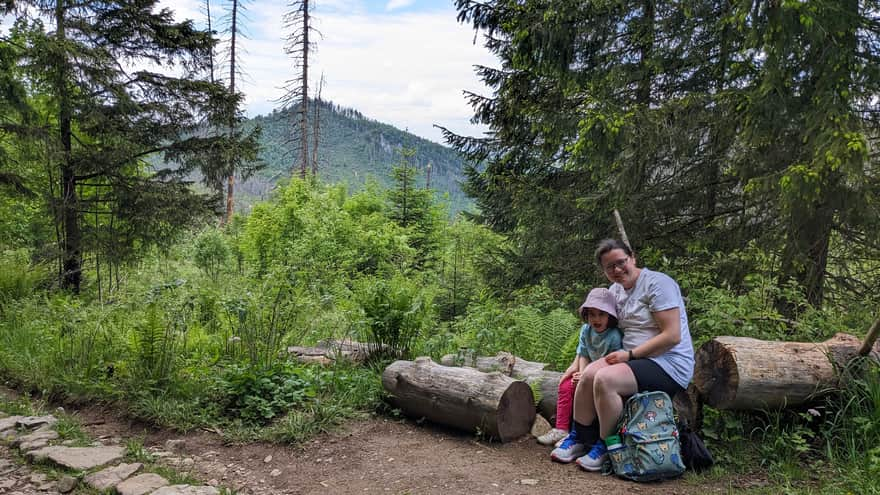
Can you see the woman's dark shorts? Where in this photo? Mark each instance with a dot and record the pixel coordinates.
(650, 377)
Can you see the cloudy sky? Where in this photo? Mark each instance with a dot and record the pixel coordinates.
(402, 62)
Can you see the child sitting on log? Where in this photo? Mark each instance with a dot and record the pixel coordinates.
(599, 336)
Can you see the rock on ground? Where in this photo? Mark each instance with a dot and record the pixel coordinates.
(9, 422)
(32, 421)
(112, 476)
(540, 426)
(141, 484)
(186, 490)
(79, 458)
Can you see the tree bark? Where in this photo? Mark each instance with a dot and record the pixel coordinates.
(72, 241)
(492, 404)
(304, 104)
(746, 374)
(328, 351)
(546, 383)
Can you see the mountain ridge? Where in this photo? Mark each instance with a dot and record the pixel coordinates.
(351, 149)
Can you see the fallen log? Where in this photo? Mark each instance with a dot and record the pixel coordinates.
(747, 374)
(504, 362)
(328, 351)
(490, 403)
(544, 383)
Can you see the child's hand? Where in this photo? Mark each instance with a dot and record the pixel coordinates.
(565, 375)
(576, 376)
(617, 357)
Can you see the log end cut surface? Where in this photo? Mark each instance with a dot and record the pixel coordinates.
(716, 375)
(516, 412)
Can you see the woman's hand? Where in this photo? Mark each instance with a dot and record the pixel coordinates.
(616, 357)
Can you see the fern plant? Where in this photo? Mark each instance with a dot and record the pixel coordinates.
(543, 336)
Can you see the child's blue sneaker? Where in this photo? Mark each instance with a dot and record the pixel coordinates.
(569, 450)
(595, 458)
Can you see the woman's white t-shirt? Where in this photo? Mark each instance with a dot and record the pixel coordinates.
(653, 292)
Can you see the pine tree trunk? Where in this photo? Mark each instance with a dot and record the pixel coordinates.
(72, 236)
(806, 252)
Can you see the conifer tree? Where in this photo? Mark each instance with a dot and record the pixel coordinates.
(708, 124)
(110, 124)
(412, 207)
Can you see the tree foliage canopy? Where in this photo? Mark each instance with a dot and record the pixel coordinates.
(707, 124)
(98, 89)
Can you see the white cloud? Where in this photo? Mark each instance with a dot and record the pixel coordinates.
(405, 69)
(398, 4)
(408, 70)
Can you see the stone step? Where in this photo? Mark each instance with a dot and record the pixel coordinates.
(186, 490)
(78, 458)
(32, 421)
(141, 484)
(110, 477)
(9, 422)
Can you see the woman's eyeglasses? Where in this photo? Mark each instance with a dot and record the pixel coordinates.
(619, 264)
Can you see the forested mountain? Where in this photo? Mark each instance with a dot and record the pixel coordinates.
(352, 148)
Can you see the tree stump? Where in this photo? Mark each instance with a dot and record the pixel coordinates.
(747, 374)
(490, 403)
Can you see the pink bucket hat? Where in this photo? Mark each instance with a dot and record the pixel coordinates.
(601, 299)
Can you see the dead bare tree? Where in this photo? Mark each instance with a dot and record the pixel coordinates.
(297, 21)
(316, 128)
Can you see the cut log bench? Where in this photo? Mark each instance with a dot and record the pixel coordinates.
(741, 373)
(735, 373)
(492, 404)
(546, 383)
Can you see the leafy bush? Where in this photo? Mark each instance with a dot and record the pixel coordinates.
(524, 330)
(211, 253)
(257, 395)
(396, 311)
(260, 320)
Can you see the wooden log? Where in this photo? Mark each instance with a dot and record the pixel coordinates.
(688, 406)
(491, 403)
(504, 362)
(544, 383)
(746, 374)
(328, 351)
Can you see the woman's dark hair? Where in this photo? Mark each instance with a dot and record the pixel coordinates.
(606, 245)
(612, 321)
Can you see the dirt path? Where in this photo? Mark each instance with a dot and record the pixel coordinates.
(380, 455)
(377, 455)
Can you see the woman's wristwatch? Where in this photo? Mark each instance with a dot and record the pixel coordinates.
(631, 357)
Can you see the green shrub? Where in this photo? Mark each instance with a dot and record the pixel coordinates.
(396, 311)
(18, 278)
(211, 253)
(257, 395)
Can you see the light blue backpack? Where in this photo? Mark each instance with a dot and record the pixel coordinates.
(649, 448)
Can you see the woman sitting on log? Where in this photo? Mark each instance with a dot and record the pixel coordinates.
(657, 354)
